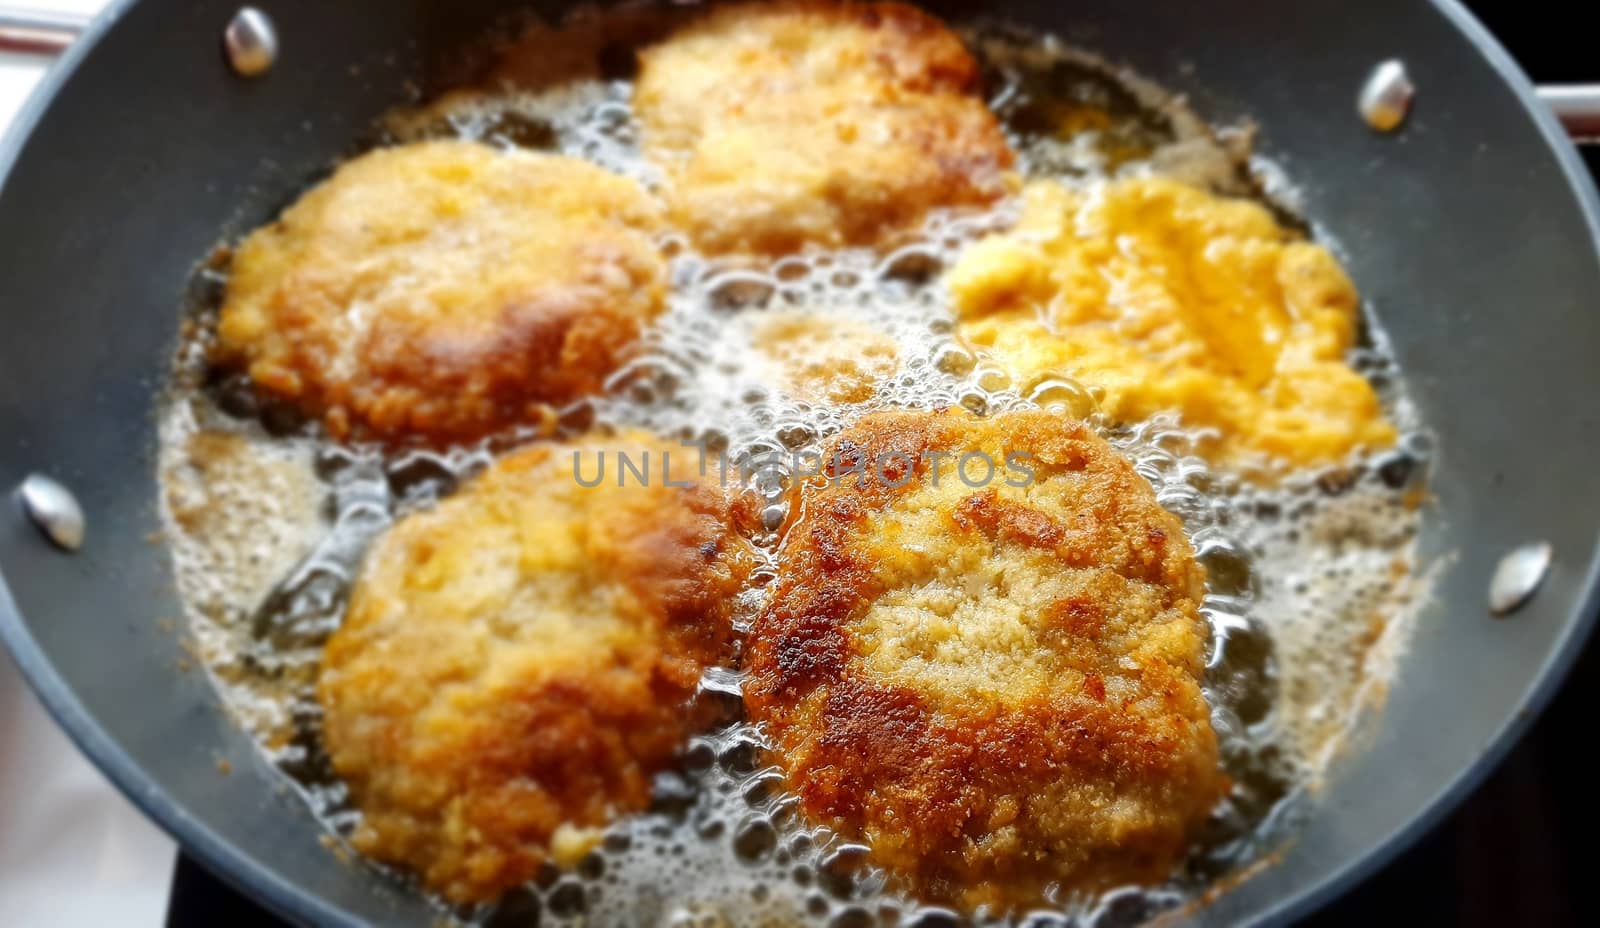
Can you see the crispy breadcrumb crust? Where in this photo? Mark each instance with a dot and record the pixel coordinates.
(996, 688)
(517, 663)
(824, 356)
(832, 124)
(1167, 298)
(444, 290)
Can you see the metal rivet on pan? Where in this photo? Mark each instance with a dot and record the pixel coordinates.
(1518, 576)
(251, 42)
(1386, 96)
(54, 509)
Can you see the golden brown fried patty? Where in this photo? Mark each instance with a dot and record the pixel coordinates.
(515, 664)
(1168, 298)
(444, 290)
(825, 123)
(996, 687)
(824, 356)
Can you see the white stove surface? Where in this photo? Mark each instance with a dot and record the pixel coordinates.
(73, 851)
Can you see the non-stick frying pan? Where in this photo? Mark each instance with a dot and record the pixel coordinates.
(1473, 231)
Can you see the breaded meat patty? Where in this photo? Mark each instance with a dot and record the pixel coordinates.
(516, 664)
(444, 290)
(782, 125)
(1170, 299)
(992, 678)
(824, 356)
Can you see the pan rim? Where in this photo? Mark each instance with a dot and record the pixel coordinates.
(1579, 629)
(237, 866)
(228, 861)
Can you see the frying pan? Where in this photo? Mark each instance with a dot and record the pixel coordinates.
(1472, 230)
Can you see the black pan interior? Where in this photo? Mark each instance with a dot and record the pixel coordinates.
(1473, 232)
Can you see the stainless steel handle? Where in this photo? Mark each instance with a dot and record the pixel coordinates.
(1578, 108)
(38, 32)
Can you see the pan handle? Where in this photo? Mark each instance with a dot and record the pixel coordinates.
(41, 32)
(1577, 106)
(38, 32)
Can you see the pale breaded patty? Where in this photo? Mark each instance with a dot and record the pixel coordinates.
(516, 663)
(1170, 299)
(444, 290)
(823, 356)
(819, 123)
(996, 687)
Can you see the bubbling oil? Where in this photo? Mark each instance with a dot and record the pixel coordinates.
(1310, 577)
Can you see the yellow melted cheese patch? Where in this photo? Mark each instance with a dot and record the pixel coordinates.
(1168, 298)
